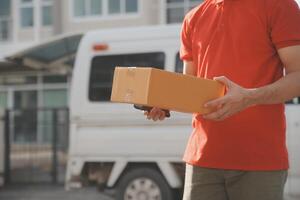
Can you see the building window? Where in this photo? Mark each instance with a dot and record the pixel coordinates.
(5, 28)
(79, 8)
(122, 6)
(25, 129)
(103, 67)
(131, 6)
(53, 99)
(3, 100)
(176, 9)
(26, 10)
(47, 16)
(5, 20)
(114, 6)
(88, 8)
(5, 8)
(96, 7)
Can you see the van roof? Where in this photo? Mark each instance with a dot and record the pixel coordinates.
(135, 33)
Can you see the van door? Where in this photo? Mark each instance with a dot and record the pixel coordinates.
(97, 123)
(293, 142)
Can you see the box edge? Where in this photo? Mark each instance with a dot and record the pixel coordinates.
(114, 84)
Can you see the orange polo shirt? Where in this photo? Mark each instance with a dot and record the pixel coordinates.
(239, 39)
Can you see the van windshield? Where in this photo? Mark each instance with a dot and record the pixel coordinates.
(102, 70)
(293, 101)
(178, 64)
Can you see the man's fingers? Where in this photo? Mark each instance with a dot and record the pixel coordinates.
(162, 116)
(156, 114)
(152, 113)
(216, 103)
(224, 80)
(223, 116)
(149, 116)
(218, 115)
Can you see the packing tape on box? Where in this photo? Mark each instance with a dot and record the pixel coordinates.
(131, 71)
(128, 95)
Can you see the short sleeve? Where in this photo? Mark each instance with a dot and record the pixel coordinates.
(285, 23)
(186, 42)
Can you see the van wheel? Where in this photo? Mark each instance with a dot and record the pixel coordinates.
(143, 184)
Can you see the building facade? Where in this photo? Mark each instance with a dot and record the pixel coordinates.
(26, 23)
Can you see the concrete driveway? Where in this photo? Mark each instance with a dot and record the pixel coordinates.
(50, 192)
(57, 192)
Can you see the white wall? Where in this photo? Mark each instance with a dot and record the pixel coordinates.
(149, 14)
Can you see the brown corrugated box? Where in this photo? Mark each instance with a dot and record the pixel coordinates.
(167, 90)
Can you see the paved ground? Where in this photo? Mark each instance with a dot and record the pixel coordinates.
(49, 192)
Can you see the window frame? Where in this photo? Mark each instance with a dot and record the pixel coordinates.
(294, 101)
(105, 12)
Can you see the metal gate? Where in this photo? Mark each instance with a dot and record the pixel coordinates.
(36, 145)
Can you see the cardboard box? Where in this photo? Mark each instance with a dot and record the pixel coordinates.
(167, 90)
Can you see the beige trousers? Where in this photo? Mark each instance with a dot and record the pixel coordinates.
(216, 184)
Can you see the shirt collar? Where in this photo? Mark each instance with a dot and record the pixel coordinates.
(221, 1)
(218, 1)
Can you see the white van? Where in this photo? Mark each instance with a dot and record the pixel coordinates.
(113, 144)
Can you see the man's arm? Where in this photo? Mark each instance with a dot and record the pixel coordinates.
(287, 87)
(189, 68)
(238, 98)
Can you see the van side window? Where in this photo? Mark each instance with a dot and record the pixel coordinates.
(290, 101)
(102, 70)
(178, 64)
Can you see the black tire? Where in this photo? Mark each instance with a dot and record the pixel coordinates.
(143, 176)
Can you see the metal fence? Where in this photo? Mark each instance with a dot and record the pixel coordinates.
(36, 145)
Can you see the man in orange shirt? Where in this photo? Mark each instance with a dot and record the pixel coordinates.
(239, 151)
